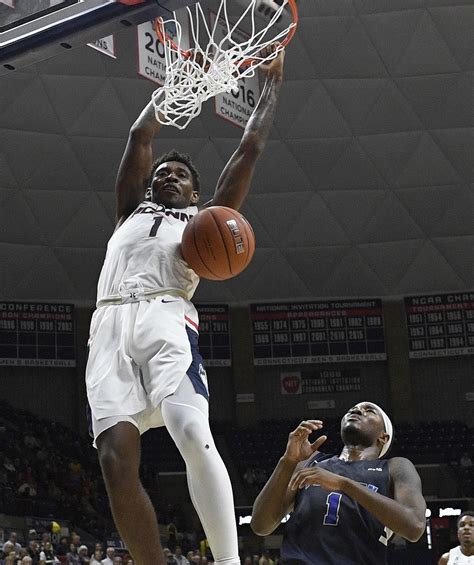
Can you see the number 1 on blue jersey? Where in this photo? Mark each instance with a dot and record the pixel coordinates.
(333, 501)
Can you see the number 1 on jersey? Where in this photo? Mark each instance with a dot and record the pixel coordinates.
(155, 226)
(333, 501)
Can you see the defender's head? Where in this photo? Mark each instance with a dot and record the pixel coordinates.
(368, 425)
(174, 180)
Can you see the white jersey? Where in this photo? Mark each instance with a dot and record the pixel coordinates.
(144, 253)
(457, 557)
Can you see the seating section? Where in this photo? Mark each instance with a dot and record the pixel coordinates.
(46, 468)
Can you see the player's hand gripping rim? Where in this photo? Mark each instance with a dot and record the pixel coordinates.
(276, 58)
(299, 448)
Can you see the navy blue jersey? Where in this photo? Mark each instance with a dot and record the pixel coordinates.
(330, 528)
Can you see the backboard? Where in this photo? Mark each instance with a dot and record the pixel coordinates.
(34, 30)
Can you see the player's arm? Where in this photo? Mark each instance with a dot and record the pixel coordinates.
(443, 560)
(404, 514)
(135, 167)
(276, 498)
(234, 182)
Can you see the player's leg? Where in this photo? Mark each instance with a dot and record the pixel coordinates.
(133, 512)
(185, 414)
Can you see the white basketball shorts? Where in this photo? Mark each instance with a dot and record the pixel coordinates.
(139, 353)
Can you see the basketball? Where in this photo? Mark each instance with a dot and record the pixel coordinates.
(218, 243)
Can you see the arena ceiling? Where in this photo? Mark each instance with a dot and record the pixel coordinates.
(365, 187)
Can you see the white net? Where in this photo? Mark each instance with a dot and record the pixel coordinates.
(214, 65)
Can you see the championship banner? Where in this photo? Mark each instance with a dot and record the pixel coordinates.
(334, 380)
(214, 334)
(318, 332)
(440, 325)
(322, 381)
(151, 52)
(37, 334)
(236, 107)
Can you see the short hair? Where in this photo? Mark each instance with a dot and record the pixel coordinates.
(184, 158)
(465, 513)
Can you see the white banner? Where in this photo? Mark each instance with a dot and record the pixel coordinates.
(245, 397)
(151, 52)
(105, 46)
(321, 404)
(236, 107)
(290, 383)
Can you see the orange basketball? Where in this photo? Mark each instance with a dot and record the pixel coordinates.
(218, 243)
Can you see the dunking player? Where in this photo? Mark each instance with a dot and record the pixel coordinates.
(144, 368)
(344, 508)
(463, 554)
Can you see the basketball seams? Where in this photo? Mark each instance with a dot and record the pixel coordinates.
(196, 247)
(223, 239)
(250, 241)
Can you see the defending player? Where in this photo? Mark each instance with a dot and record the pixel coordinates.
(144, 368)
(463, 554)
(344, 508)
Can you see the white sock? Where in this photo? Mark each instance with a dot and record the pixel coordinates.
(186, 416)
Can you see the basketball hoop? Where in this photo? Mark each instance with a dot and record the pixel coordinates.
(214, 65)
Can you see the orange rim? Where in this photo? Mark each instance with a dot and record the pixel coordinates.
(166, 39)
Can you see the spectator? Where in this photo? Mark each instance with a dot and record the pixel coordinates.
(110, 554)
(72, 556)
(27, 560)
(33, 551)
(96, 559)
(169, 557)
(179, 557)
(63, 546)
(47, 554)
(13, 539)
(118, 560)
(8, 548)
(83, 553)
(45, 537)
(76, 539)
